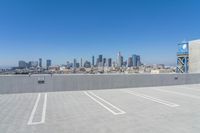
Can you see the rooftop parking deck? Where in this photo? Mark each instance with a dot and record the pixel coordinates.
(167, 109)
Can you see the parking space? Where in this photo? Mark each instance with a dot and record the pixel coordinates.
(168, 109)
(14, 111)
(194, 90)
(179, 95)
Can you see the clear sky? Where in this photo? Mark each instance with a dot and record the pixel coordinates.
(64, 29)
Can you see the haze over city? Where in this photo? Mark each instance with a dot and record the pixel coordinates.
(63, 30)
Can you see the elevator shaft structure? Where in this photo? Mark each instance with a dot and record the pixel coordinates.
(183, 58)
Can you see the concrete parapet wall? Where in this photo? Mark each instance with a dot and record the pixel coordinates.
(26, 84)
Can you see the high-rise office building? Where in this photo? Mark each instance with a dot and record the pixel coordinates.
(122, 61)
(114, 64)
(48, 63)
(87, 64)
(40, 62)
(33, 64)
(124, 64)
(93, 61)
(130, 62)
(134, 57)
(81, 62)
(74, 64)
(22, 64)
(119, 60)
(100, 58)
(104, 61)
(77, 65)
(136, 61)
(97, 62)
(68, 65)
(109, 64)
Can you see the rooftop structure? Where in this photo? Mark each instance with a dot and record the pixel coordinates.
(188, 57)
(182, 58)
(194, 56)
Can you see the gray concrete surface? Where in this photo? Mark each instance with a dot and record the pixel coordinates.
(145, 111)
(26, 84)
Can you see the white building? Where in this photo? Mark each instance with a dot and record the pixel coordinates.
(194, 56)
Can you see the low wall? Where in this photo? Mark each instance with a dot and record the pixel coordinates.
(26, 84)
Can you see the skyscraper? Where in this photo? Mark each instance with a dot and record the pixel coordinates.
(100, 58)
(22, 64)
(77, 65)
(100, 61)
(122, 61)
(119, 60)
(48, 63)
(134, 57)
(81, 62)
(33, 64)
(136, 61)
(104, 61)
(97, 62)
(87, 64)
(93, 61)
(40, 62)
(124, 64)
(68, 65)
(74, 64)
(109, 62)
(130, 62)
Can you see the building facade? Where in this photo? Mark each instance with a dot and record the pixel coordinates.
(40, 62)
(22, 64)
(136, 60)
(194, 56)
(49, 63)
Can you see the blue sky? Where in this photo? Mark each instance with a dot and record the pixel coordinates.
(64, 29)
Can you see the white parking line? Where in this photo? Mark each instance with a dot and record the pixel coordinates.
(170, 104)
(178, 93)
(34, 109)
(100, 101)
(189, 88)
(195, 89)
(30, 122)
(44, 108)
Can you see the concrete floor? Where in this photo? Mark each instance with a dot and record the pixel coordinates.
(168, 109)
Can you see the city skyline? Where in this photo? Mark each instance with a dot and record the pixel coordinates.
(95, 61)
(67, 29)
